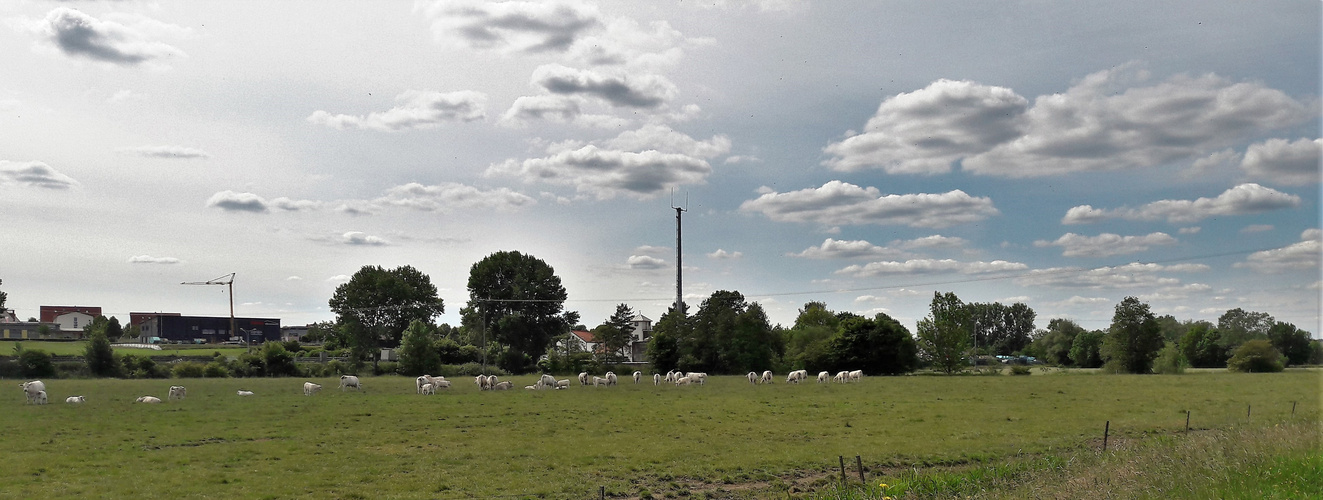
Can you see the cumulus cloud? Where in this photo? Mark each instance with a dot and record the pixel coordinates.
(1106, 244)
(1281, 162)
(290, 205)
(180, 152)
(934, 241)
(415, 109)
(930, 266)
(924, 131)
(231, 201)
(1256, 228)
(35, 174)
(840, 249)
(1126, 277)
(542, 107)
(81, 35)
(841, 203)
(630, 90)
(1301, 256)
(644, 262)
(449, 196)
(339, 278)
(623, 41)
(361, 239)
(512, 26)
(1244, 199)
(724, 255)
(147, 259)
(641, 164)
(1104, 123)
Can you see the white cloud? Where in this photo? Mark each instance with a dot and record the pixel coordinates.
(1244, 199)
(934, 241)
(511, 26)
(294, 278)
(449, 196)
(662, 162)
(1211, 163)
(415, 109)
(1301, 256)
(231, 201)
(839, 249)
(1125, 277)
(35, 174)
(1281, 162)
(80, 35)
(1103, 123)
(625, 42)
(1106, 244)
(339, 278)
(147, 259)
(922, 132)
(841, 203)
(928, 266)
(631, 90)
(290, 205)
(1189, 230)
(644, 262)
(724, 255)
(542, 107)
(1256, 228)
(359, 238)
(166, 152)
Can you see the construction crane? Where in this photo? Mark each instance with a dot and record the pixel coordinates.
(228, 281)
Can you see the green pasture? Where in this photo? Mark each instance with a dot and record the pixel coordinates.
(77, 348)
(634, 440)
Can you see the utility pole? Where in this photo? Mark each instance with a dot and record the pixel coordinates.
(679, 254)
(228, 281)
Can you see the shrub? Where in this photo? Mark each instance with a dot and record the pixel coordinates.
(1256, 356)
(72, 369)
(334, 367)
(387, 368)
(277, 361)
(216, 369)
(33, 363)
(1170, 360)
(189, 369)
(469, 369)
(1021, 370)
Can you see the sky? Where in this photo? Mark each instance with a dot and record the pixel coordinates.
(865, 154)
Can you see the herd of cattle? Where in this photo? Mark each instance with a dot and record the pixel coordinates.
(35, 391)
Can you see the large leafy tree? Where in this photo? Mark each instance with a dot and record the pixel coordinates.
(878, 346)
(1001, 329)
(1256, 355)
(376, 305)
(944, 336)
(1238, 326)
(418, 355)
(1133, 339)
(664, 346)
(518, 300)
(806, 341)
(1086, 350)
(1202, 346)
(616, 332)
(1055, 343)
(1292, 342)
(99, 356)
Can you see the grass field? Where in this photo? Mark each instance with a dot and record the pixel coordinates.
(77, 348)
(723, 439)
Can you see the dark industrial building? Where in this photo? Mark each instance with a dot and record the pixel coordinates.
(209, 329)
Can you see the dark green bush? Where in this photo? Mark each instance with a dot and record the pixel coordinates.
(189, 369)
(216, 369)
(1256, 356)
(1021, 370)
(33, 363)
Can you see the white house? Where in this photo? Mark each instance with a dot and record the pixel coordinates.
(73, 321)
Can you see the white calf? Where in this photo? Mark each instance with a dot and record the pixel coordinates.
(501, 386)
(347, 381)
(823, 377)
(442, 384)
(682, 381)
(753, 378)
(242, 392)
(656, 379)
(481, 380)
(41, 398)
(428, 389)
(310, 388)
(563, 384)
(856, 375)
(30, 389)
(75, 400)
(767, 377)
(149, 399)
(610, 378)
(177, 392)
(583, 378)
(637, 376)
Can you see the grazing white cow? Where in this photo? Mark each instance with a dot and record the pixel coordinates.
(656, 379)
(637, 376)
(823, 377)
(492, 381)
(682, 381)
(177, 392)
(583, 378)
(420, 382)
(149, 399)
(797, 376)
(41, 398)
(481, 380)
(428, 389)
(442, 384)
(697, 377)
(856, 375)
(563, 384)
(310, 388)
(767, 377)
(74, 400)
(501, 386)
(547, 380)
(753, 378)
(242, 392)
(30, 389)
(347, 381)
(841, 377)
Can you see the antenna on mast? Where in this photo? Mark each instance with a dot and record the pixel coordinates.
(679, 267)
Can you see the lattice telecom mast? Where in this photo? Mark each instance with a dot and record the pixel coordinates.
(227, 280)
(679, 267)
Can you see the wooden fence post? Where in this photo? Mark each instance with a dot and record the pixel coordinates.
(859, 462)
(1107, 428)
(842, 457)
(1187, 420)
